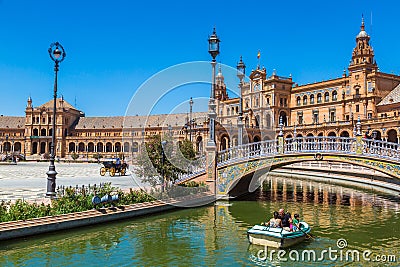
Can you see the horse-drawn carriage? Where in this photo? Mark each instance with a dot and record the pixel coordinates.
(113, 168)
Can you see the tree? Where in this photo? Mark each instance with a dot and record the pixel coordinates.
(152, 166)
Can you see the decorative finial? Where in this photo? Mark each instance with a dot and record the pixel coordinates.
(362, 22)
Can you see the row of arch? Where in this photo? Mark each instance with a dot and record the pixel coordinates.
(101, 147)
(117, 146)
(8, 147)
(319, 98)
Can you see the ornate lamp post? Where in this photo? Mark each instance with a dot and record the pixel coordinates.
(241, 68)
(190, 119)
(163, 144)
(213, 49)
(6, 145)
(211, 148)
(133, 133)
(57, 54)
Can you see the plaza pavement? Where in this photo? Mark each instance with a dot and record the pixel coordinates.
(28, 180)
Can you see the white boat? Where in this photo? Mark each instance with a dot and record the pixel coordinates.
(277, 237)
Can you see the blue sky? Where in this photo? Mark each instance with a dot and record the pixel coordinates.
(113, 47)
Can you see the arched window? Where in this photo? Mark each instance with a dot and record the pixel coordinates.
(117, 147)
(319, 98)
(91, 147)
(100, 147)
(326, 97)
(81, 147)
(311, 99)
(298, 101)
(126, 147)
(257, 121)
(334, 96)
(305, 100)
(71, 147)
(108, 147)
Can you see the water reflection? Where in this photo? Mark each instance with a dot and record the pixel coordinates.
(216, 235)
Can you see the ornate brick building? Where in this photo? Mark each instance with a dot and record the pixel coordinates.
(326, 108)
(89, 136)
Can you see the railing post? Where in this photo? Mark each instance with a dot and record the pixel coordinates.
(359, 140)
(281, 140)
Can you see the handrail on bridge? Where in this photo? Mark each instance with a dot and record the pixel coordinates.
(313, 144)
(297, 145)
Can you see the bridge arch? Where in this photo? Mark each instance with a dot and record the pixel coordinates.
(251, 170)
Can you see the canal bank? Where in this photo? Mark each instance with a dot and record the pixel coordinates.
(18, 229)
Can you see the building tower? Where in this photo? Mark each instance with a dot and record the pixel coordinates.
(220, 86)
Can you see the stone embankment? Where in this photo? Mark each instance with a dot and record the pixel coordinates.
(17, 229)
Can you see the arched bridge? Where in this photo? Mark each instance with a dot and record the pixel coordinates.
(240, 163)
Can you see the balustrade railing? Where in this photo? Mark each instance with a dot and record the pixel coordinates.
(313, 144)
(381, 149)
(247, 151)
(320, 144)
(195, 168)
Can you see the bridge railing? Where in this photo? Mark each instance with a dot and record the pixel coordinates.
(195, 168)
(248, 151)
(381, 149)
(320, 144)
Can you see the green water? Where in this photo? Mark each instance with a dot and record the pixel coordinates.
(216, 235)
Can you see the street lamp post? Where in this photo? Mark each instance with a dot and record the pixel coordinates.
(6, 145)
(170, 130)
(57, 54)
(190, 119)
(133, 133)
(213, 49)
(241, 68)
(163, 143)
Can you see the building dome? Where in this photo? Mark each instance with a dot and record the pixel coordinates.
(219, 76)
(362, 34)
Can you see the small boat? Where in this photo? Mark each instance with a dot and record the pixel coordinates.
(277, 237)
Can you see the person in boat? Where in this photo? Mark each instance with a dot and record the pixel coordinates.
(296, 222)
(285, 218)
(275, 222)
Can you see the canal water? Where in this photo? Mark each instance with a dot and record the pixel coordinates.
(345, 221)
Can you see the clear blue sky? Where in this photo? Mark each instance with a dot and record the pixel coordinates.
(113, 47)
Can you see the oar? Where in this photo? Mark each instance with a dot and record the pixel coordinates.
(308, 235)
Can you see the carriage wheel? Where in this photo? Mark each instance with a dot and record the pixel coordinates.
(103, 171)
(112, 171)
(123, 171)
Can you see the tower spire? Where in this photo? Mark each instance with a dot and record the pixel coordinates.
(362, 23)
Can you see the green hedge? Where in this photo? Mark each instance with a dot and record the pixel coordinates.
(70, 201)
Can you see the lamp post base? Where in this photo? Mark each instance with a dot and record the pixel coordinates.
(51, 183)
